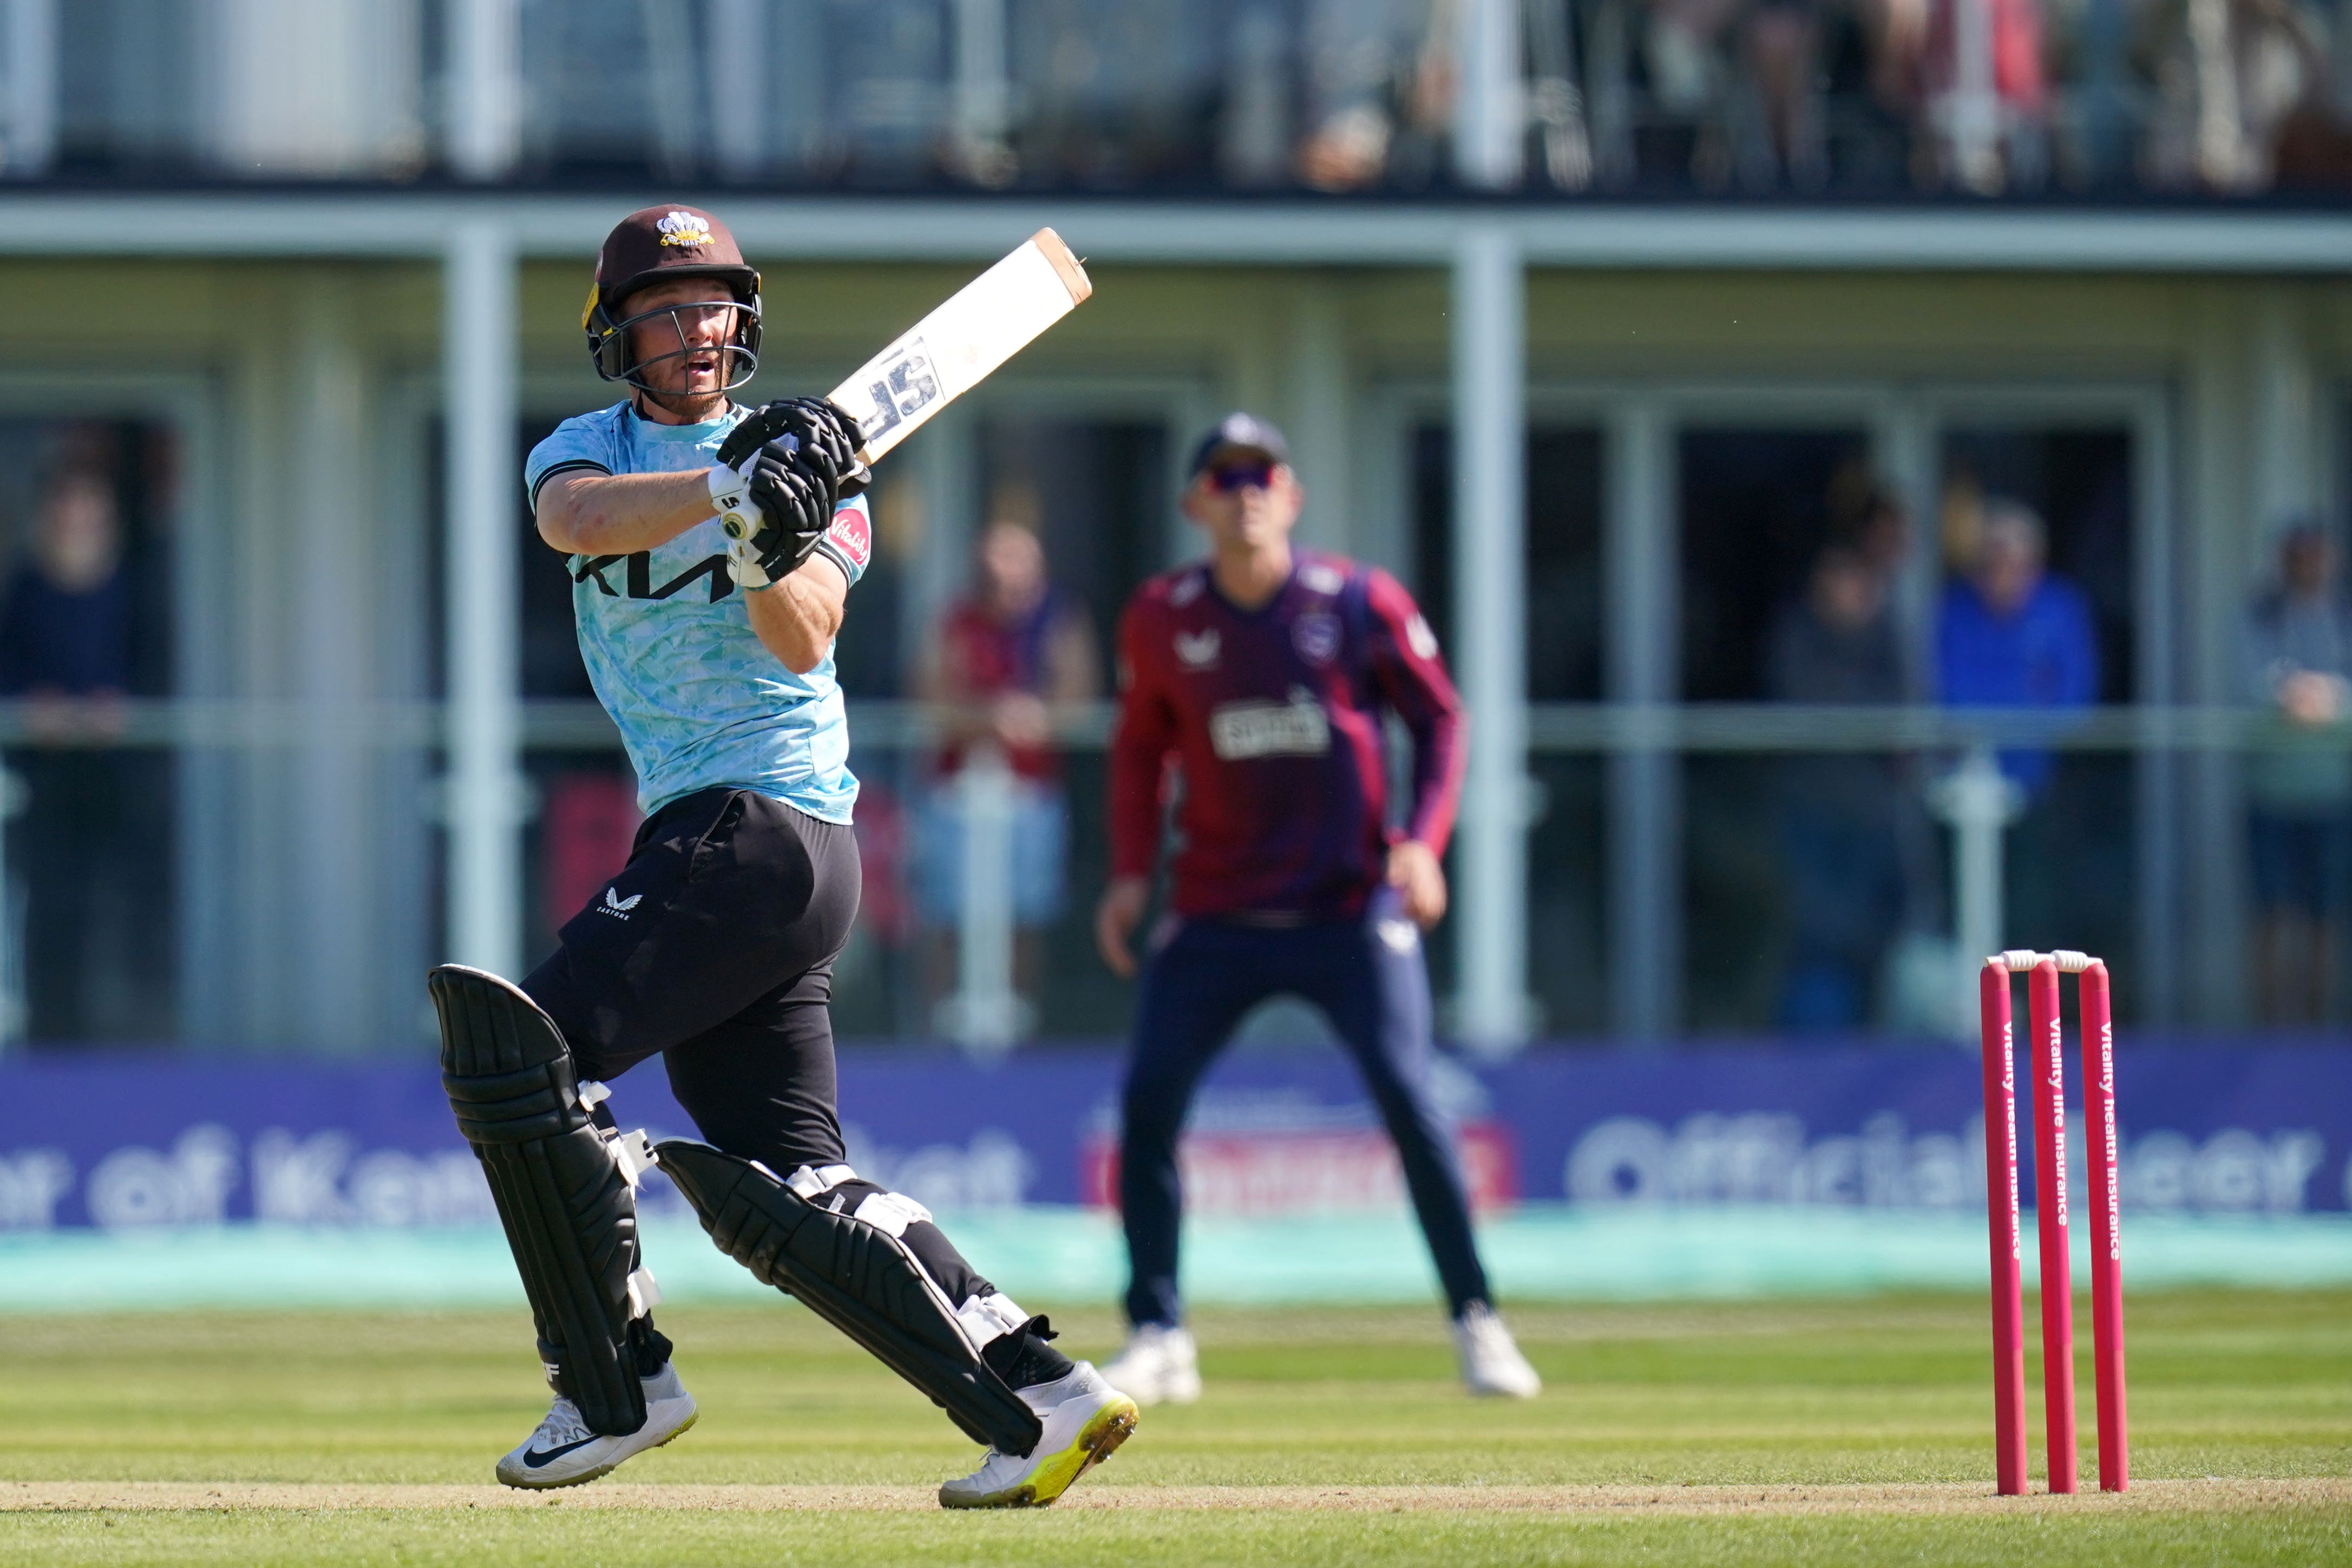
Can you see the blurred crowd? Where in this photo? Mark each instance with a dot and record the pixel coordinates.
(1857, 857)
(1860, 877)
(79, 904)
(1010, 662)
(1984, 96)
(1863, 96)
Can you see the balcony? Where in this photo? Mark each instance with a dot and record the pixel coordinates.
(2031, 101)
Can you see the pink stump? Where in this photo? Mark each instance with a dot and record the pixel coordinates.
(2000, 1219)
(2047, 1053)
(2106, 1229)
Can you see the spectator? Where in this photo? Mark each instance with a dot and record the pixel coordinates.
(1988, 97)
(1004, 656)
(66, 645)
(1896, 35)
(1332, 87)
(1687, 67)
(1782, 42)
(1840, 824)
(2298, 653)
(1742, 81)
(2012, 635)
(2242, 86)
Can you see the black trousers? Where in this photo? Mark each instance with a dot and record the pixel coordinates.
(714, 949)
(1368, 978)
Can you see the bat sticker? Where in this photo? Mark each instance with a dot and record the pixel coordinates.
(905, 386)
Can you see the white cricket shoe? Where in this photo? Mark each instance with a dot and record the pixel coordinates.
(1085, 1418)
(1160, 1365)
(564, 1452)
(1491, 1362)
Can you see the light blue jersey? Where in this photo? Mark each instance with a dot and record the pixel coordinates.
(669, 646)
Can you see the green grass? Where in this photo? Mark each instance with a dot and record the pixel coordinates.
(1852, 1393)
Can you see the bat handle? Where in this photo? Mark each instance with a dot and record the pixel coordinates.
(739, 517)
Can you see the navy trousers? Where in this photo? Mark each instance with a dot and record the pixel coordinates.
(1368, 978)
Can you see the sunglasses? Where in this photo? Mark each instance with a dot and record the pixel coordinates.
(1241, 476)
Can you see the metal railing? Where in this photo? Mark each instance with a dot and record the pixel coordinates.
(1554, 729)
(302, 743)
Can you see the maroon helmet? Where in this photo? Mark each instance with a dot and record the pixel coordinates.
(653, 246)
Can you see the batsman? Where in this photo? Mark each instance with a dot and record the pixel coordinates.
(713, 948)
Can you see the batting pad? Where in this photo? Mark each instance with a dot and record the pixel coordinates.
(857, 1275)
(566, 1193)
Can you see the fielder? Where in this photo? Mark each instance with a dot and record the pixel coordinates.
(1262, 675)
(714, 947)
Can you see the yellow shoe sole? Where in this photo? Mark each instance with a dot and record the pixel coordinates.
(1105, 1431)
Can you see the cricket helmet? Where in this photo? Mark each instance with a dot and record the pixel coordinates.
(655, 245)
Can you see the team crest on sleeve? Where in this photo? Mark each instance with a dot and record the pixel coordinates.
(1198, 650)
(1420, 638)
(853, 535)
(1316, 635)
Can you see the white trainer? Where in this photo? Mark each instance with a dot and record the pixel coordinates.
(1160, 1365)
(1491, 1362)
(564, 1452)
(1085, 1418)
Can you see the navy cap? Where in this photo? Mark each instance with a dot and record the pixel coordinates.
(1240, 432)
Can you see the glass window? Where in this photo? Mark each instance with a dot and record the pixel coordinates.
(2036, 541)
(1794, 881)
(1564, 651)
(128, 85)
(1015, 656)
(88, 926)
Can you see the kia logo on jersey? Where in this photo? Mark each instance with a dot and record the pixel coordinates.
(853, 535)
(1198, 650)
(1316, 636)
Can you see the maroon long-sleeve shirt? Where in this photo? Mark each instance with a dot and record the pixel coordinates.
(1265, 725)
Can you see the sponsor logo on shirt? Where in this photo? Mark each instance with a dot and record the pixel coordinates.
(616, 905)
(1317, 577)
(683, 229)
(1239, 731)
(852, 534)
(1187, 588)
(1198, 650)
(1316, 635)
(637, 576)
(1420, 638)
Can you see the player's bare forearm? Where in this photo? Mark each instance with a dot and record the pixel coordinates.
(620, 514)
(798, 619)
(1116, 918)
(1419, 878)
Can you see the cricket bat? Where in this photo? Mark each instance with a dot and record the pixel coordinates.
(942, 357)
